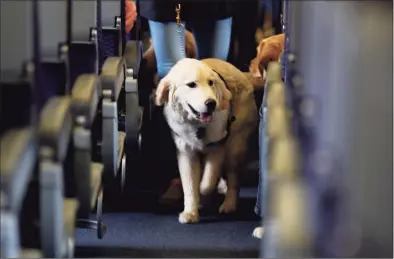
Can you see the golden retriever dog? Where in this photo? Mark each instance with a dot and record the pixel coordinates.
(210, 108)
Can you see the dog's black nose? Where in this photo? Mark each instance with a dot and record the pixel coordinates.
(211, 104)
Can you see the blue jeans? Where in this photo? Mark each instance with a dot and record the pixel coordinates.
(263, 150)
(263, 173)
(212, 39)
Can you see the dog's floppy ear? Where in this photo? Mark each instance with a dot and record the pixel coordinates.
(162, 92)
(226, 95)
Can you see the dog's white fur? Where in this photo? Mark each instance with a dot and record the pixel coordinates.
(201, 166)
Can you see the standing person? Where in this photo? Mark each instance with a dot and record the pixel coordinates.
(277, 8)
(270, 49)
(245, 22)
(131, 15)
(210, 22)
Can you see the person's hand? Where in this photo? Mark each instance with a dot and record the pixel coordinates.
(131, 15)
(268, 50)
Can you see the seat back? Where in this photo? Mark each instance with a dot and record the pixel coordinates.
(85, 32)
(16, 33)
(85, 15)
(54, 60)
(18, 85)
(84, 54)
(112, 43)
(340, 84)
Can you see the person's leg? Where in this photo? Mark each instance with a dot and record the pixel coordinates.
(263, 142)
(276, 16)
(263, 173)
(244, 25)
(233, 51)
(167, 44)
(168, 50)
(212, 38)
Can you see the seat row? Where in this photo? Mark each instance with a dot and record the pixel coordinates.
(63, 80)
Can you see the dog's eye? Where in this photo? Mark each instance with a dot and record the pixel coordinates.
(191, 84)
(210, 83)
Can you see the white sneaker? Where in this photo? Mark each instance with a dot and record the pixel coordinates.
(258, 232)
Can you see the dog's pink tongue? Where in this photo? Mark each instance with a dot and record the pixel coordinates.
(205, 118)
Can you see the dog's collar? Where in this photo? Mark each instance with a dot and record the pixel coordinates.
(231, 118)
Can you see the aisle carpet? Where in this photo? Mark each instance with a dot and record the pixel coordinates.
(158, 234)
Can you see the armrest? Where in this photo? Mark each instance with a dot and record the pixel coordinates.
(85, 98)
(18, 156)
(113, 76)
(55, 126)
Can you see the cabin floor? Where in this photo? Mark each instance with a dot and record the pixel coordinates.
(157, 233)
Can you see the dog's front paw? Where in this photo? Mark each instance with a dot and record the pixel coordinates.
(188, 217)
(228, 206)
(258, 232)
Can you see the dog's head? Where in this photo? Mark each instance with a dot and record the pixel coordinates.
(194, 90)
(268, 50)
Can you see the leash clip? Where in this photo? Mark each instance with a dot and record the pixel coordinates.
(178, 15)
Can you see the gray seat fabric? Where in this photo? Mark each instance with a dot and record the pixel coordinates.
(18, 155)
(85, 98)
(57, 214)
(112, 77)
